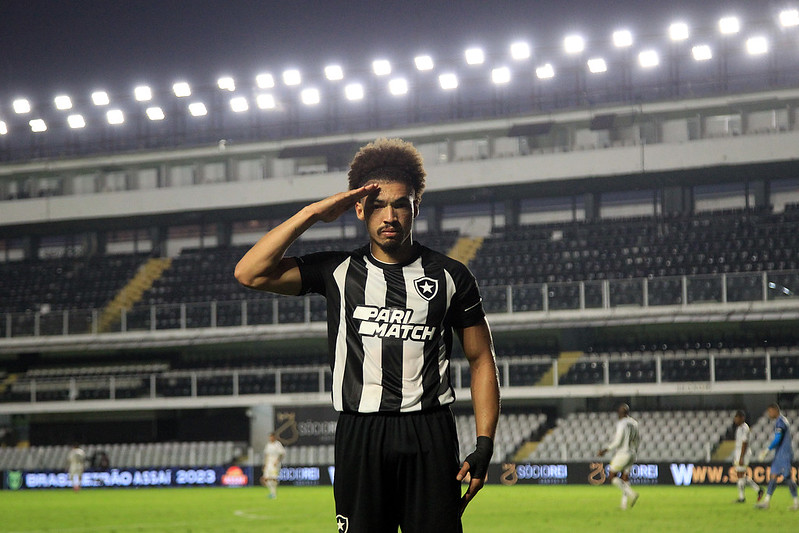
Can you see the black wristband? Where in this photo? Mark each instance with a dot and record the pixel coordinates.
(478, 460)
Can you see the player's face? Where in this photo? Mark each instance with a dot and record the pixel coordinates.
(773, 413)
(389, 213)
(737, 420)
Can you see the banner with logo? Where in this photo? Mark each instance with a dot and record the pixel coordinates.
(305, 426)
(233, 476)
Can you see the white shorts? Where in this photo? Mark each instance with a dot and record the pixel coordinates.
(75, 474)
(621, 462)
(272, 472)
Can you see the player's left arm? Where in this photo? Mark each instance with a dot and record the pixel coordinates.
(479, 350)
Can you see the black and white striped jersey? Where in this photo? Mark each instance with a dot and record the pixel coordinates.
(390, 326)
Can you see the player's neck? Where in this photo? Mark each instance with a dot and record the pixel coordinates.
(400, 255)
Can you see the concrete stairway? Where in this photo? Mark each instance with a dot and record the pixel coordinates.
(132, 292)
(465, 249)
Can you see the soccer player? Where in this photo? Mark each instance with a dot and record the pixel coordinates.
(783, 457)
(76, 460)
(741, 457)
(273, 455)
(392, 308)
(625, 444)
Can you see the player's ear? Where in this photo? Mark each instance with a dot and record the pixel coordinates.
(415, 209)
(359, 209)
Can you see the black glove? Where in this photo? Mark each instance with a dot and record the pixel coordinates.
(478, 460)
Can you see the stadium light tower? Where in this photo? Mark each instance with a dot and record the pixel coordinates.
(448, 81)
(398, 86)
(3, 128)
(310, 96)
(181, 89)
(115, 117)
(353, 91)
(597, 65)
(226, 83)
(62, 102)
(334, 72)
(520, 51)
(292, 77)
(729, 25)
(474, 56)
(21, 106)
(239, 104)
(678, 31)
(265, 80)
(756, 46)
(381, 67)
(702, 52)
(423, 62)
(545, 72)
(100, 98)
(500, 76)
(648, 59)
(789, 18)
(143, 93)
(37, 125)
(622, 39)
(198, 109)
(265, 101)
(155, 113)
(76, 122)
(574, 44)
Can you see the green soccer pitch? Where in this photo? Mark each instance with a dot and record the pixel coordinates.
(310, 509)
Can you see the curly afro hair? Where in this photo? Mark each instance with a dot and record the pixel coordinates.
(390, 160)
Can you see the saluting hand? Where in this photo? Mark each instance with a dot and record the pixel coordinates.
(332, 207)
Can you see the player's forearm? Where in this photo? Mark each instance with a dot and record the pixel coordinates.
(485, 395)
(263, 259)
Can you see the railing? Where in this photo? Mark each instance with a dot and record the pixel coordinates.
(693, 370)
(685, 291)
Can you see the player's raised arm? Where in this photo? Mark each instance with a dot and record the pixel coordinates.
(264, 266)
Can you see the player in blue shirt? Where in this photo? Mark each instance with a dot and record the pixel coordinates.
(783, 457)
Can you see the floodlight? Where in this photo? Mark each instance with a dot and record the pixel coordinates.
(21, 106)
(353, 91)
(292, 77)
(310, 96)
(181, 89)
(381, 67)
(239, 104)
(678, 31)
(423, 62)
(597, 65)
(789, 18)
(76, 122)
(155, 113)
(100, 98)
(265, 101)
(115, 117)
(573, 44)
(62, 102)
(37, 125)
(648, 59)
(622, 38)
(544, 72)
(265, 80)
(448, 81)
(702, 52)
(226, 83)
(398, 86)
(334, 72)
(198, 109)
(729, 25)
(500, 75)
(143, 93)
(474, 56)
(3, 128)
(519, 50)
(756, 46)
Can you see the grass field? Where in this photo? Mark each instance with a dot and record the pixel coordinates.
(497, 509)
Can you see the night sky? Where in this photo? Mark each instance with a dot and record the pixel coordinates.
(68, 45)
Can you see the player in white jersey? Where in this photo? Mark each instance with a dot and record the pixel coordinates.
(741, 457)
(76, 460)
(625, 444)
(273, 455)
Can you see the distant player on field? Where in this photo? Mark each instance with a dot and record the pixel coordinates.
(740, 459)
(625, 443)
(76, 460)
(783, 457)
(273, 455)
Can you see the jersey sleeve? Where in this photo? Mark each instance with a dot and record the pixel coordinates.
(314, 269)
(466, 308)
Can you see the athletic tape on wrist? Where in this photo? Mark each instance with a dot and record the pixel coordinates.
(478, 460)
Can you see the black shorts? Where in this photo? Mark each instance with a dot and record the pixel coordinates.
(397, 470)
